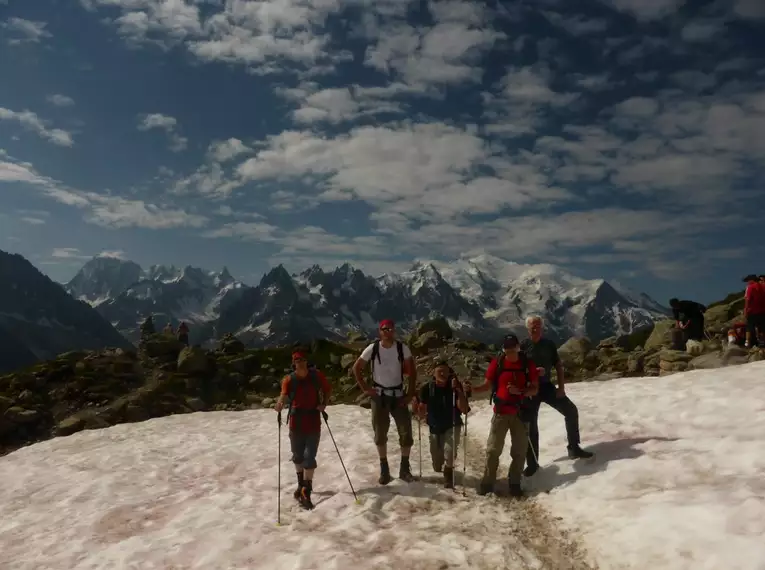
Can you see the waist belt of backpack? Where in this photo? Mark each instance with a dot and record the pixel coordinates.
(391, 392)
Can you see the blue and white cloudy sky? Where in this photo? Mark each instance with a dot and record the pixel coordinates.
(619, 138)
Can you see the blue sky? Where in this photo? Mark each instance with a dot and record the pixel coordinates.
(621, 139)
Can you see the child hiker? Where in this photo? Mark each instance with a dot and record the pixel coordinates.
(436, 402)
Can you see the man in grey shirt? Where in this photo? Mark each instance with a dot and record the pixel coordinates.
(544, 353)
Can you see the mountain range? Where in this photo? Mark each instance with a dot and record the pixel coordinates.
(482, 297)
(39, 320)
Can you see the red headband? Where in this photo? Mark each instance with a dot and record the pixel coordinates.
(387, 323)
(298, 356)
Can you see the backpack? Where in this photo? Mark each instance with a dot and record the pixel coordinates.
(500, 369)
(313, 377)
(376, 353)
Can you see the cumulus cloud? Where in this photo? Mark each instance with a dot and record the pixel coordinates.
(25, 31)
(223, 151)
(31, 122)
(165, 123)
(60, 100)
(100, 209)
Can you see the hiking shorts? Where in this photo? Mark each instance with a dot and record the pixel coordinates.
(382, 410)
(304, 447)
(755, 324)
(501, 425)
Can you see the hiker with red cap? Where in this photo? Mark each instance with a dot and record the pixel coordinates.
(306, 391)
(512, 377)
(391, 360)
(754, 310)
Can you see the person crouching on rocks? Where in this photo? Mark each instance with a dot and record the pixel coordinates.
(436, 402)
(307, 392)
(512, 377)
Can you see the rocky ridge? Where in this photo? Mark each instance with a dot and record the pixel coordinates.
(95, 389)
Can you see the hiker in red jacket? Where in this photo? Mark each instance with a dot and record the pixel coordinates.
(512, 378)
(754, 310)
(307, 392)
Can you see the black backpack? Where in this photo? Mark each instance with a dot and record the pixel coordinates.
(376, 354)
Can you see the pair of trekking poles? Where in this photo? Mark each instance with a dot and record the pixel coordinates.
(279, 465)
(454, 441)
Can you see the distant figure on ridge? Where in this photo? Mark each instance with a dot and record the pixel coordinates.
(147, 327)
(689, 316)
(183, 333)
(754, 310)
(390, 359)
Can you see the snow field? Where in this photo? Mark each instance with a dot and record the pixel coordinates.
(199, 491)
(678, 483)
(679, 477)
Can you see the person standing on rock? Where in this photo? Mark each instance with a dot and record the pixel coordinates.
(754, 310)
(513, 378)
(545, 354)
(307, 392)
(183, 333)
(391, 360)
(436, 403)
(689, 316)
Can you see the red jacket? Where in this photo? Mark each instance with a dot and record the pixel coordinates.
(306, 401)
(755, 296)
(512, 373)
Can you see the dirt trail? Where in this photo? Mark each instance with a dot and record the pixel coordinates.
(533, 526)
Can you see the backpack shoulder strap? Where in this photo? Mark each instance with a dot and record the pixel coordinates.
(525, 365)
(497, 373)
(291, 393)
(312, 374)
(400, 348)
(375, 352)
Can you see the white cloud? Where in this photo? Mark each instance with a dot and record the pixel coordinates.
(103, 210)
(223, 151)
(702, 30)
(646, 9)
(31, 122)
(749, 8)
(30, 31)
(60, 100)
(112, 254)
(335, 105)
(68, 253)
(165, 123)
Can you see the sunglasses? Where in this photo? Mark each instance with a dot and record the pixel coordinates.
(299, 360)
(386, 329)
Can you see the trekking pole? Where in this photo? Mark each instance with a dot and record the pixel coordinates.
(279, 474)
(326, 417)
(455, 411)
(464, 452)
(419, 440)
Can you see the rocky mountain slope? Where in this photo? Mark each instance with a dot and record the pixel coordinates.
(125, 294)
(87, 390)
(481, 297)
(39, 320)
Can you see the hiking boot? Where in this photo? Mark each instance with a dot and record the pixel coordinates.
(531, 469)
(485, 488)
(405, 471)
(385, 477)
(576, 452)
(305, 496)
(449, 477)
(296, 494)
(516, 491)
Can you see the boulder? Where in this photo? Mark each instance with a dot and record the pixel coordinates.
(660, 335)
(439, 325)
(347, 360)
(706, 362)
(576, 346)
(229, 344)
(356, 336)
(19, 415)
(194, 360)
(429, 341)
(161, 346)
